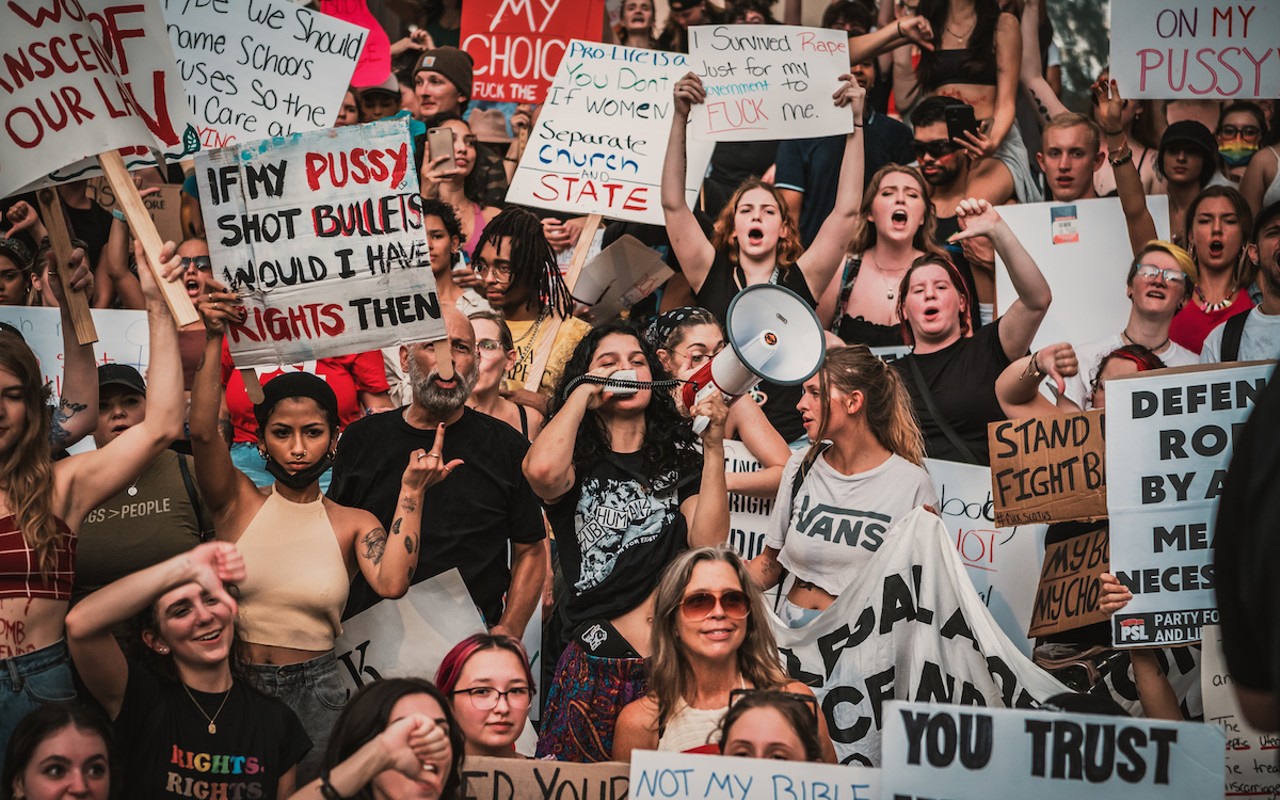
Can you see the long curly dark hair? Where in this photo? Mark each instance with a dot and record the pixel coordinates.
(669, 439)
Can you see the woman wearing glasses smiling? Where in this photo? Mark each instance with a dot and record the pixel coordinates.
(710, 638)
(490, 687)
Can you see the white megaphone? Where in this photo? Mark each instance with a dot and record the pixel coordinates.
(773, 335)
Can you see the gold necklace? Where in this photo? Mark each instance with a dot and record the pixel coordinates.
(890, 287)
(213, 728)
(531, 335)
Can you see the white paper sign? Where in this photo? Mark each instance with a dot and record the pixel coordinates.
(600, 140)
(768, 82)
(321, 234)
(123, 338)
(254, 69)
(1196, 48)
(662, 776)
(1169, 440)
(748, 516)
(910, 627)
(1086, 275)
(408, 637)
(1001, 562)
(82, 78)
(935, 751)
(1251, 754)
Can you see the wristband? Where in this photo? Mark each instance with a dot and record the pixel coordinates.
(1122, 159)
(899, 27)
(326, 789)
(118, 214)
(1033, 367)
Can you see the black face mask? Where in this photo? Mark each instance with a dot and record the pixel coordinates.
(303, 478)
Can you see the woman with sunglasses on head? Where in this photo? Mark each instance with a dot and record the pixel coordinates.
(453, 179)
(710, 637)
(778, 725)
(186, 694)
(841, 495)
(490, 687)
(497, 354)
(625, 491)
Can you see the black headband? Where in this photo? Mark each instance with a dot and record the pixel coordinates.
(295, 384)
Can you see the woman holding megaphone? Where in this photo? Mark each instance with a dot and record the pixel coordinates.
(840, 496)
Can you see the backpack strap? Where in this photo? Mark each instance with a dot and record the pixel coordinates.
(1232, 332)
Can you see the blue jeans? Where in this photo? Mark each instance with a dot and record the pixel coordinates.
(315, 692)
(29, 681)
(245, 457)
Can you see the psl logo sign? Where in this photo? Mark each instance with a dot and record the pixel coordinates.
(1133, 630)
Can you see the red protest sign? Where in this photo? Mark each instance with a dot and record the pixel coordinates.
(517, 45)
(375, 59)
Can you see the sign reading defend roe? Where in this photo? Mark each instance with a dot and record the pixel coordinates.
(321, 235)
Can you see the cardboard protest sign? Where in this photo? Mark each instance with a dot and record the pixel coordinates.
(410, 636)
(515, 779)
(375, 57)
(621, 275)
(255, 69)
(910, 627)
(965, 753)
(1048, 468)
(600, 140)
(1067, 597)
(123, 338)
(164, 206)
(768, 82)
(748, 516)
(321, 234)
(517, 45)
(1169, 439)
(1251, 754)
(995, 558)
(1086, 274)
(660, 776)
(1196, 48)
(80, 79)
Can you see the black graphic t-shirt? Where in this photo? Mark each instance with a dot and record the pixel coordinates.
(168, 752)
(615, 533)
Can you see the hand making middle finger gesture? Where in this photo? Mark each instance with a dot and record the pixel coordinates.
(427, 468)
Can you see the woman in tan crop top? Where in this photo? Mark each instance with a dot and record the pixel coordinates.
(301, 550)
(42, 504)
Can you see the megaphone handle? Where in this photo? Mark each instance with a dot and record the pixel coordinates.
(700, 424)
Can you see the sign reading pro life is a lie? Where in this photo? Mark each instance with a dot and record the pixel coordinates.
(1170, 435)
(321, 235)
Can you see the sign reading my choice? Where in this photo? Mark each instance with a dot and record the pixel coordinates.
(517, 46)
(321, 234)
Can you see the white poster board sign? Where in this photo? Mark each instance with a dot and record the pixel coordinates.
(79, 79)
(408, 637)
(748, 516)
(1169, 440)
(1001, 562)
(321, 234)
(254, 69)
(768, 82)
(1086, 271)
(910, 627)
(123, 338)
(980, 753)
(1251, 754)
(662, 776)
(602, 135)
(1196, 48)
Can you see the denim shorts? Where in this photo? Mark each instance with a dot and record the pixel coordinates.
(315, 692)
(29, 681)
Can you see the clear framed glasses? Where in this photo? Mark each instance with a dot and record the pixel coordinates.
(485, 698)
(489, 346)
(501, 269)
(1168, 275)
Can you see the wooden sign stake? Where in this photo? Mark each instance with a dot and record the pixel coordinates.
(60, 238)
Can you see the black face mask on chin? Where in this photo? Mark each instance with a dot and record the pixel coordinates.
(303, 478)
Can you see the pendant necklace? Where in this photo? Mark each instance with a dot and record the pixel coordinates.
(890, 287)
(213, 727)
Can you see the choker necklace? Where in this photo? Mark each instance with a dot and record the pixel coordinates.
(1124, 334)
(213, 728)
(1218, 306)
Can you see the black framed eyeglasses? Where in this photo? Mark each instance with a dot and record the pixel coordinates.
(485, 698)
(1249, 132)
(940, 148)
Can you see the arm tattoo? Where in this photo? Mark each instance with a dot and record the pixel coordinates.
(58, 434)
(409, 504)
(375, 543)
(225, 430)
(408, 544)
(395, 527)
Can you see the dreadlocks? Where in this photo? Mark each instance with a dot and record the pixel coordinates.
(533, 262)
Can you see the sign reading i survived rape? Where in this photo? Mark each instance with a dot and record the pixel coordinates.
(602, 134)
(517, 45)
(321, 235)
(768, 82)
(1196, 48)
(1170, 436)
(260, 68)
(83, 78)
(966, 753)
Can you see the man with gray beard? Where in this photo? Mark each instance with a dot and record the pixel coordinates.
(484, 504)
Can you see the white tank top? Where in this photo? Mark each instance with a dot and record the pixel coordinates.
(690, 727)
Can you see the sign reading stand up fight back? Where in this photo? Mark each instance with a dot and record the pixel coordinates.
(1170, 436)
(768, 82)
(1211, 49)
(260, 68)
(81, 78)
(601, 137)
(321, 235)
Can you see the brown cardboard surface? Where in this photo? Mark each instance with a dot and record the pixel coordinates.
(1050, 468)
(164, 206)
(517, 778)
(1067, 597)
